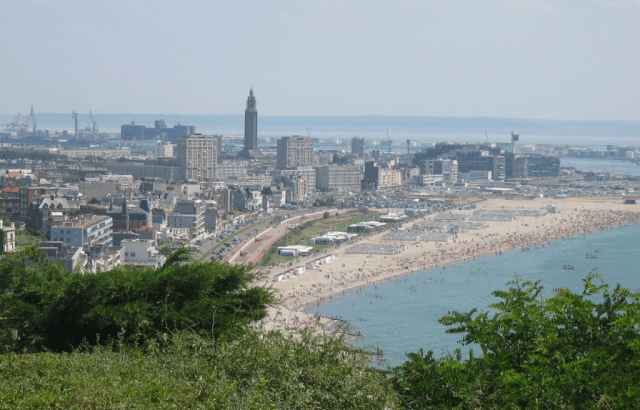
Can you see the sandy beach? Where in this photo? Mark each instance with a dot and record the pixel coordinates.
(574, 216)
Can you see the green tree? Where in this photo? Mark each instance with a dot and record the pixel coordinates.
(52, 309)
(574, 350)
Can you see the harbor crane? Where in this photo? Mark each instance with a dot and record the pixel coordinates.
(30, 118)
(389, 142)
(74, 115)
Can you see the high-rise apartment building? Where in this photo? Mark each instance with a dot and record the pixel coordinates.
(197, 156)
(358, 146)
(295, 151)
(338, 178)
(251, 129)
(446, 167)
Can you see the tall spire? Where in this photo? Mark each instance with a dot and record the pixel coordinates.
(251, 101)
(251, 129)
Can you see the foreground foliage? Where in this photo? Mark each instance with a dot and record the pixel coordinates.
(53, 310)
(572, 351)
(185, 370)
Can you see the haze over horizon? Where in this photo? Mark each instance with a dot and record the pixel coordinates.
(525, 59)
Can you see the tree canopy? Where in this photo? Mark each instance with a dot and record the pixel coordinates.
(54, 310)
(574, 350)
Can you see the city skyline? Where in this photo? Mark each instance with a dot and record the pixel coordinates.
(531, 59)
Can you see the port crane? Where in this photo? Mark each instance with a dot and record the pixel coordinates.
(74, 115)
(389, 142)
(30, 118)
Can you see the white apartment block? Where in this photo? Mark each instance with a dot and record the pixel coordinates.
(295, 151)
(338, 178)
(197, 156)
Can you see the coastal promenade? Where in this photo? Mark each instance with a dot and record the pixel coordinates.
(574, 216)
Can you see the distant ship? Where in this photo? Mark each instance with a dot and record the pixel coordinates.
(589, 255)
(568, 267)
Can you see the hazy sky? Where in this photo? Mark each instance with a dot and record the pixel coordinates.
(562, 59)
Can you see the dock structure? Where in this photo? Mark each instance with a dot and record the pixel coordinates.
(376, 249)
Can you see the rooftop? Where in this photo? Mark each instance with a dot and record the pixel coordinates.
(89, 222)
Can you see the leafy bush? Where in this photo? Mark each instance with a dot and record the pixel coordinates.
(255, 371)
(573, 351)
(54, 310)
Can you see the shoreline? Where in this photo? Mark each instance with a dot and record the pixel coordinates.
(450, 263)
(360, 271)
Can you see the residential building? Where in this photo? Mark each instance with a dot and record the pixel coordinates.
(543, 166)
(188, 214)
(516, 166)
(249, 198)
(358, 146)
(7, 237)
(142, 252)
(336, 178)
(474, 176)
(307, 173)
(89, 231)
(446, 167)
(224, 199)
(159, 131)
(9, 205)
(224, 172)
(294, 151)
(139, 170)
(103, 258)
(27, 194)
(71, 257)
(197, 157)
(428, 180)
(164, 149)
(377, 177)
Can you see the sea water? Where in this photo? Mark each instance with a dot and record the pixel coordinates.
(401, 315)
(601, 165)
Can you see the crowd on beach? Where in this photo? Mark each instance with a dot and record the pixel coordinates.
(524, 233)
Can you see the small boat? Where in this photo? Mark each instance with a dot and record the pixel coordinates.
(589, 255)
(598, 250)
(568, 267)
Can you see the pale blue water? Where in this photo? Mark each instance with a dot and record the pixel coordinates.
(404, 315)
(601, 165)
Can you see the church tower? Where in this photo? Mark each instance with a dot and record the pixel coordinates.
(251, 129)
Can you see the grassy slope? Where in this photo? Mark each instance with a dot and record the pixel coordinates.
(256, 371)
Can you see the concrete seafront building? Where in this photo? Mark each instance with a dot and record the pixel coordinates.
(307, 173)
(295, 151)
(251, 129)
(448, 168)
(159, 131)
(358, 146)
(337, 178)
(197, 157)
(164, 149)
(377, 177)
(140, 170)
